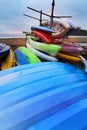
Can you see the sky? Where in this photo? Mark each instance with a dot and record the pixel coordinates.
(12, 20)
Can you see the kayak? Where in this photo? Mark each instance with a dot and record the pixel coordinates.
(4, 50)
(70, 48)
(69, 118)
(18, 69)
(41, 54)
(37, 95)
(50, 49)
(68, 58)
(20, 57)
(43, 36)
(30, 56)
(8, 61)
(43, 29)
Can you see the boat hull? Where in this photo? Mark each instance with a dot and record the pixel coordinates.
(38, 94)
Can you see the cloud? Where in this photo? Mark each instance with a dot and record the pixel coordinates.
(12, 19)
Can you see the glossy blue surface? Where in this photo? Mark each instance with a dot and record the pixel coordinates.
(70, 118)
(43, 96)
(45, 29)
(20, 57)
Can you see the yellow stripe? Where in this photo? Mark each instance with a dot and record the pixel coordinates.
(68, 57)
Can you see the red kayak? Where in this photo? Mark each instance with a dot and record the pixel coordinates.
(45, 37)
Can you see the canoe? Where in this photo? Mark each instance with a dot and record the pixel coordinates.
(4, 49)
(8, 61)
(20, 57)
(37, 95)
(43, 36)
(31, 57)
(41, 54)
(50, 49)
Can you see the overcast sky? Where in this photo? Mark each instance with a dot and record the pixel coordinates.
(13, 21)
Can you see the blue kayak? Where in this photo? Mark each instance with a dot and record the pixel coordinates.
(20, 57)
(42, 28)
(43, 96)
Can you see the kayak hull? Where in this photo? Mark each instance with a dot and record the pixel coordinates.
(32, 96)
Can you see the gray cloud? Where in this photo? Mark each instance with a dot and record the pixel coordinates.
(12, 19)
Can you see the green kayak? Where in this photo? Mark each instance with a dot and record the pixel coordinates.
(50, 49)
(31, 57)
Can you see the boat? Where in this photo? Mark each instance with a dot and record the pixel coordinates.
(50, 49)
(20, 57)
(40, 54)
(8, 61)
(37, 94)
(4, 50)
(67, 118)
(73, 59)
(46, 95)
(30, 56)
(43, 29)
(44, 36)
(71, 48)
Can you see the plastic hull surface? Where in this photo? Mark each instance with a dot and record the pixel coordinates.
(52, 93)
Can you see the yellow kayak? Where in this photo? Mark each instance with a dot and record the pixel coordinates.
(68, 58)
(8, 61)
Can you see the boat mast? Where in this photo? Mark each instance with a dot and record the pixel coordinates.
(52, 14)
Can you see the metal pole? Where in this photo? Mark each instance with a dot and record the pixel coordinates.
(40, 17)
(52, 14)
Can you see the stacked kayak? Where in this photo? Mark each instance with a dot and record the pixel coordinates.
(20, 58)
(8, 61)
(67, 52)
(7, 58)
(47, 37)
(43, 50)
(4, 49)
(37, 95)
(50, 49)
(47, 95)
